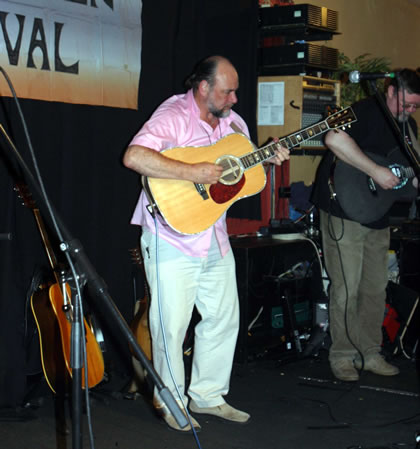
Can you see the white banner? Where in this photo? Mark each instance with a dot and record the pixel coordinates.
(73, 51)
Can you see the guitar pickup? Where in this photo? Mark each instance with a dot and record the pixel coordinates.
(372, 185)
(333, 193)
(202, 191)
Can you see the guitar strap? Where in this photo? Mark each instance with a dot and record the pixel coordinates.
(236, 128)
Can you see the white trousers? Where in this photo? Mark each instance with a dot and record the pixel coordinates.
(209, 283)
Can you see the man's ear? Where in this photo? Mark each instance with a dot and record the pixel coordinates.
(390, 91)
(204, 87)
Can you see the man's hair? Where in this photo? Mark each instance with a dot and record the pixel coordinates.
(407, 79)
(204, 70)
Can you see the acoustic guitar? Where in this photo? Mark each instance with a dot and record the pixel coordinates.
(359, 196)
(140, 326)
(52, 309)
(190, 208)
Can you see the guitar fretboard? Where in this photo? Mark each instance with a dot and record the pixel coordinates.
(262, 154)
(408, 172)
(340, 119)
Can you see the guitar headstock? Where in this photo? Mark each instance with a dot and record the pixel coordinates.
(25, 195)
(343, 118)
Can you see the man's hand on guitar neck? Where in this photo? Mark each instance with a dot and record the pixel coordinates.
(282, 154)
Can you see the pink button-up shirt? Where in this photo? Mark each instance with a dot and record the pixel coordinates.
(175, 123)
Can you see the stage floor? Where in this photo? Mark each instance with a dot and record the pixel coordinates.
(294, 403)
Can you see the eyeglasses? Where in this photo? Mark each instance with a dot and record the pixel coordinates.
(406, 105)
(409, 105)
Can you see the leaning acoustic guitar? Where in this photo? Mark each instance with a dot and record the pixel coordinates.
(140, 327)
(190, 208)
(52, 310)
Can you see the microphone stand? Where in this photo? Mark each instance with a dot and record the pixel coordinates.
(75, 252)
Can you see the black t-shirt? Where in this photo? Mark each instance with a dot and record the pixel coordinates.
(373, 133)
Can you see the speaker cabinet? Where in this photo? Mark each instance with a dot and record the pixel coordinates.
(293, 59)
(298, 16)
(276, 288)
(409, 262)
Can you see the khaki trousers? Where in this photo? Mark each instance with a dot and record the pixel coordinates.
(357, 265)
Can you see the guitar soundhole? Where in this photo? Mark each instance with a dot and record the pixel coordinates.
(397, 170)
(232, 170)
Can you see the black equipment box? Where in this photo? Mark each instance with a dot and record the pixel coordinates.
(293, 16)
(287, 57)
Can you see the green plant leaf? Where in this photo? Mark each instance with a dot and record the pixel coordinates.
(350, 92)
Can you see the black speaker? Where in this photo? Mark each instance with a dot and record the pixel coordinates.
(298, 16)
(275, 286)
(409, 261)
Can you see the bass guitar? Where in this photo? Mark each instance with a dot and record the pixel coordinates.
(359, 196)
(190, 208)
(52, 310)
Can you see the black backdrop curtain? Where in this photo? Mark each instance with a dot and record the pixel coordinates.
(79, 150)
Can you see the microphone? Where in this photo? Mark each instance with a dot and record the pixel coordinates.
(356, 76)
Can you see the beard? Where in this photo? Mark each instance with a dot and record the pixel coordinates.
(219, 113)
(403, 117)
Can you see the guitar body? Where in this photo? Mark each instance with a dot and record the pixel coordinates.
(357, 200)
(52, 357)
(95, 361)
(140, 327)
(55, 341)
(197, 214)
(141, 330)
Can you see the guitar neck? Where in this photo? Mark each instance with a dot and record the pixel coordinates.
(408, 172)
(47, 245)
(292, 140)
(137, 259)
(412, 150)
(26, 196)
